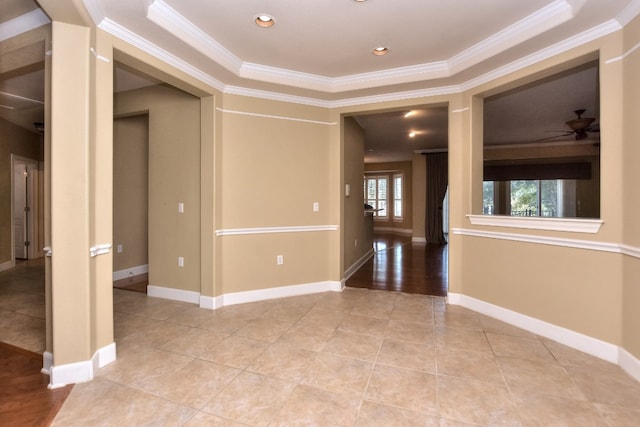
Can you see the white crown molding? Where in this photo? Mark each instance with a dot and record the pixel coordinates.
(170, 20)
(95, 11)
(543, 54)
(556, 13)
(23, 23)
(629, 13)
(135, 40)
(271, 230)
(276, 96)
(576, 225)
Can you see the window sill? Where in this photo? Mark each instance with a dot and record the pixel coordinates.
(575, 225)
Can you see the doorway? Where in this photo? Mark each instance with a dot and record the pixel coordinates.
(25, 194)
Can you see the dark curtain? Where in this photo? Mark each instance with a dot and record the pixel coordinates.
(437, 181)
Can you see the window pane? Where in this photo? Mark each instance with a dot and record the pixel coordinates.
(382, 189)
(382, 205)
(371, 188)
(524, 198)
(487, 198)
(397, 192)
(397, 208)
(549, 197)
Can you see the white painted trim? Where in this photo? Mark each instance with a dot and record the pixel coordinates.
(101, 249)
(359, 263)
(47, 362)
(7, 265)
(281, 292)
(418, 240)
(576, 340)
(554, 241)
(271, 116)
(269, 230)
(576, 225)
(23, 23)
(629, 363)
(130, 272)
(623, 56)
(173, 294)
(104, 356)
(211, 303)
(79, 372)
(629, 12)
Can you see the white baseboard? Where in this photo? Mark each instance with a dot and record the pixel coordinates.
(47, 362)
(359, 263)
(418, 240)
(79, 372)
(629, 363)
(173, 294)
(280, 292)
(576, 340)
(7, 265)
(270, 293)
(130, 272)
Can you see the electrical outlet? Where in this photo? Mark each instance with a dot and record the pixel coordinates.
(180, 207)
(119, 249)
(279, 260)
(316, 206)
(180, 261)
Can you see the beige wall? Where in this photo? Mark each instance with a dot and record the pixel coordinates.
(130, 191)
(578, 289)
(19, 141)
(631, 178)
(275, 167)
(389, 170)
(272, 160)
(358, 227)
(174, 176)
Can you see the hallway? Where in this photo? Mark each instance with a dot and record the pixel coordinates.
(402, 266)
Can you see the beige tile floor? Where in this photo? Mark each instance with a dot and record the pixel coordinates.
(356, 358)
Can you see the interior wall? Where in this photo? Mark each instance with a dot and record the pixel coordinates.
(631, 176)
(358, 227)
(562, 285)
(390, 169)
(275, 167)
(130, 191)
(174, 177)
(19, 141)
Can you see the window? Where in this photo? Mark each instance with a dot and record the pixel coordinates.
(375, 195)
(532, 197)
(397, 197)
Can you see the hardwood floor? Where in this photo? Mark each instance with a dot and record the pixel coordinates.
(25, 399)
(402, 266)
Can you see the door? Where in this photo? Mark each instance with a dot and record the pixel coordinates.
(19, 206)
(24, 177)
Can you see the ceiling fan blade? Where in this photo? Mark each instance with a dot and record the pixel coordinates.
(554, 137)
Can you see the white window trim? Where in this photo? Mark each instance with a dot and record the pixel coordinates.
(575, 225)
(393, 178)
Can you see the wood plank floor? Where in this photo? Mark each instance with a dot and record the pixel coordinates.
(401, 266)
(25, 399)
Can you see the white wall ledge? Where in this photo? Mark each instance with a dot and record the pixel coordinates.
(576, 225)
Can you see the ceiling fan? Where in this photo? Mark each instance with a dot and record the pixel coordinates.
(580, 126)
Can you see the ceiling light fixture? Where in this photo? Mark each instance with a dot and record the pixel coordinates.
(265, 21)
(412, 134)
(409, 114)
(380, 50)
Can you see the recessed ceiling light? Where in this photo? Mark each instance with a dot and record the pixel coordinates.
(412, 134)
(265, 21)
(360, 1)
(380, 50)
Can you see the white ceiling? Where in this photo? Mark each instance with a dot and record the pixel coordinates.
(319, 52)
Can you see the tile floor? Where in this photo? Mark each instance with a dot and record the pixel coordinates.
(356, 358)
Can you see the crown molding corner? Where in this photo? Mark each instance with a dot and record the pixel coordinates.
(629, 13)
(22, 24)
(95, 11)
(135, 40)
